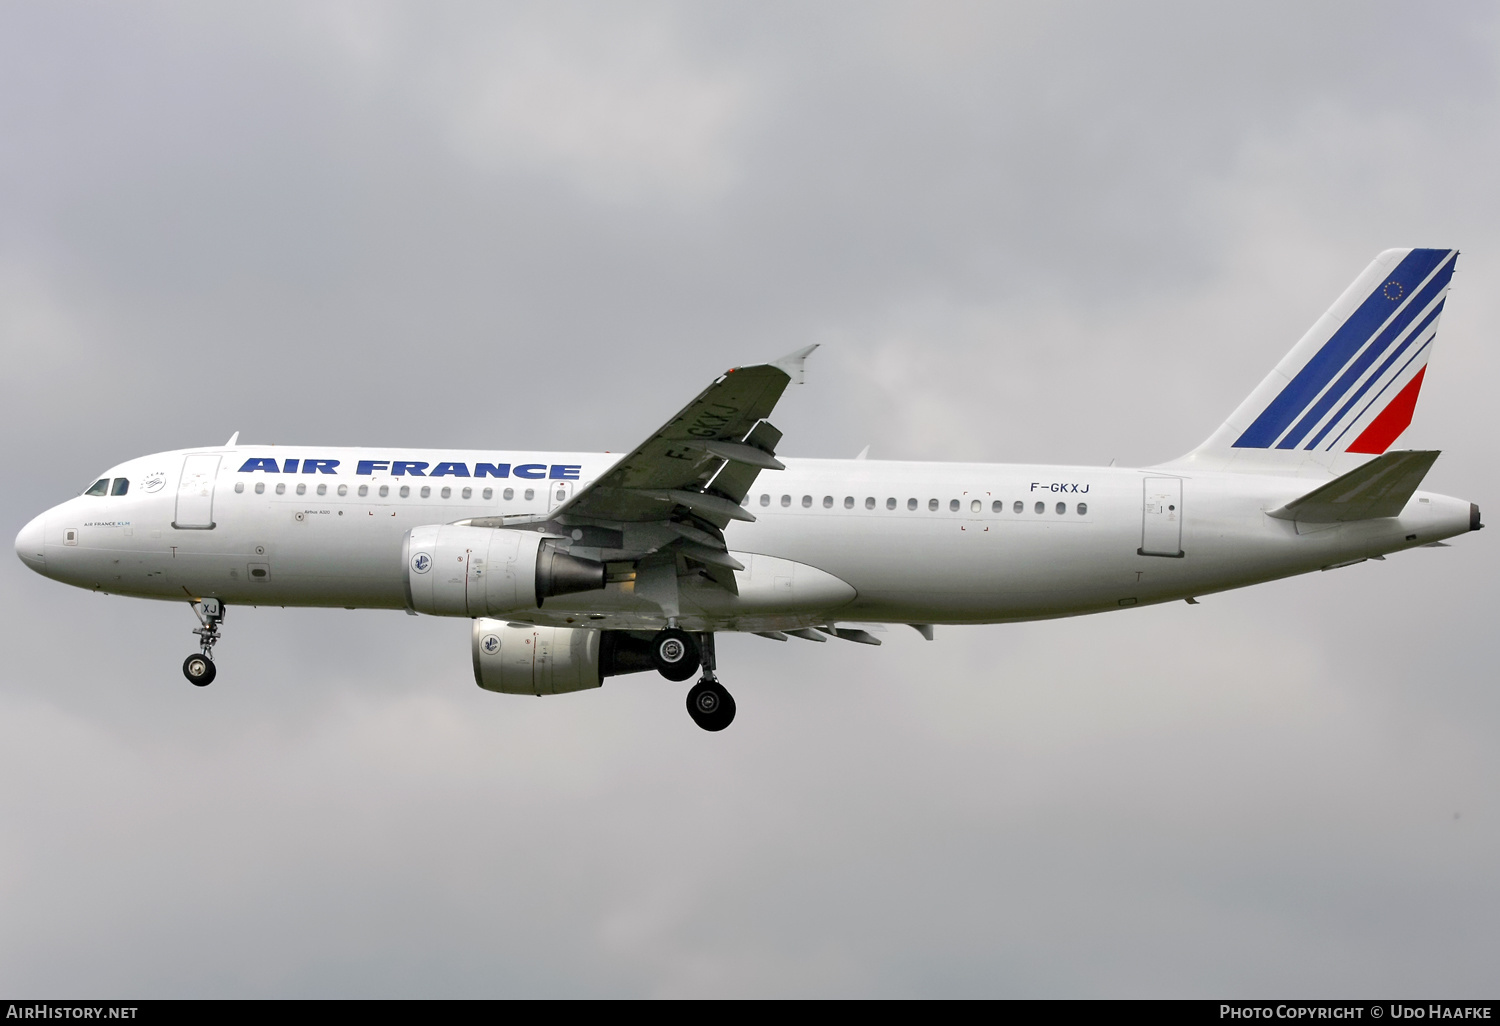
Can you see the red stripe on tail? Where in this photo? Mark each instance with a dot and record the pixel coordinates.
(1393, 420)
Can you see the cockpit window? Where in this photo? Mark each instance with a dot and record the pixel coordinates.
(99, 487)
(122, 485)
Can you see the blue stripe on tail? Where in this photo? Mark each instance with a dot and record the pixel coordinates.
(1415, 335)
(1362, 362)
(1350, 337)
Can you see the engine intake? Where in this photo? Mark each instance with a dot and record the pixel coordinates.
(480, 571)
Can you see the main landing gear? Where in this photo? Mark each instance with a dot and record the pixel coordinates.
(708, 702)
(677, 655)
(199, 667)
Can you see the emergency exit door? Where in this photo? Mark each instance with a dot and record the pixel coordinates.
(1161, 517)
(195, 493)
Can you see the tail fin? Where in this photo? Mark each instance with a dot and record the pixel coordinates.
(1348, 389)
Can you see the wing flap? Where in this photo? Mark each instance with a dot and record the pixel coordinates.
(1379, 488)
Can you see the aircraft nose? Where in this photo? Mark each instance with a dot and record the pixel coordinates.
(29, 544)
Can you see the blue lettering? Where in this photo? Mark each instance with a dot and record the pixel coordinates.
(565, 472)
(368, 467)
(261, 463)
(290, 468)
(492, 470)
(319, 466)
(450, 470)
(534, 471)
(404, 468)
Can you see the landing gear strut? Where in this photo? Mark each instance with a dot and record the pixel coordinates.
(199, 668)
(708, 702)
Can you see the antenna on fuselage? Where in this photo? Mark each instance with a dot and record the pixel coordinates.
(233, 439)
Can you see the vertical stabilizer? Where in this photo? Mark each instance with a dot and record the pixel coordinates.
(1347, 390)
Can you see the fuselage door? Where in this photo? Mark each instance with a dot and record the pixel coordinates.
(558, 492)
(1161, 518)
(195, 493)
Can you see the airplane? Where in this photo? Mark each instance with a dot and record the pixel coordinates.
(575, 567)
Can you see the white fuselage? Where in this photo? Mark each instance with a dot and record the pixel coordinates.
(850, 540)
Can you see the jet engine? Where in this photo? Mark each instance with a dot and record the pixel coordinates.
(519, 659)
(478, 571)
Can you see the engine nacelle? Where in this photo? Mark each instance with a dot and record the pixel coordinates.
(479, 571)
(519, 659)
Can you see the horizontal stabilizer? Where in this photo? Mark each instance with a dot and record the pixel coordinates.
(1380, 488)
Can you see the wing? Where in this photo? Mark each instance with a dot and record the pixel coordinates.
(673, 496)
(703, 460)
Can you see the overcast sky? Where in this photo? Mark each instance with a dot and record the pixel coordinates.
(1051, 232)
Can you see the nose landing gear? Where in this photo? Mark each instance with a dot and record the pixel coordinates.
(199, 668)
(709, 703)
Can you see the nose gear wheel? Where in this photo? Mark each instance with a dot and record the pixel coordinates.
(199, 668)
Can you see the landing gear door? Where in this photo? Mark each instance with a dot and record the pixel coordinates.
(195, 493)
(1161, 517)
(558, 492)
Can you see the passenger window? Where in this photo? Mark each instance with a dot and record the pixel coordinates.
(1041, 507)
(890, 503)
(870, 502)
(99, 487)
(911, 503)
(507, 495)
(121, 486)
(239, 486)
(260, 488)
(1019, 506)
(997, 506)
(806, 501)
(322, 489)
(786, 500)
(446, 492)
(932, 505)
(562, 493)
(827, 502)
(1062, 507)
(489, 493)
(530, 494)
(848, 502)
(427, 491)
(364, 490)
(385, 490)
(343, 489)
(406, 491)
(467, 493)
(1083, 509)
(952, 505)
(280, 487)
(975, 506)
(765, 499)
(301, 488)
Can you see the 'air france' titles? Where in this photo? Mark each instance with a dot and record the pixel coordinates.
(417, 468)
